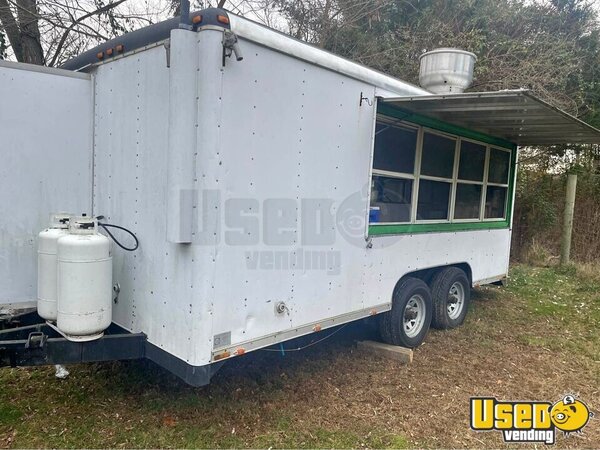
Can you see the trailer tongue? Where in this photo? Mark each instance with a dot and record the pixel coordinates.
(27, 340)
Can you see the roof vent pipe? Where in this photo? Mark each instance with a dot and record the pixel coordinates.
(447, 70)
(184, 20)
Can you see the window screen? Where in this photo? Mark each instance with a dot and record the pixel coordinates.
(434, 200)
(395, 149)
(438, 156)
(393, 198)
(468, 201)
(495, 202)
(499, 166)
(472, 161)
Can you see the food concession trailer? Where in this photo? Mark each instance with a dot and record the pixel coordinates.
(275, 189)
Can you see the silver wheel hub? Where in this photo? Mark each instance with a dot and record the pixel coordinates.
(456, 300)
(414, 316)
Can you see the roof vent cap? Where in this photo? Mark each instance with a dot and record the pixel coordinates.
(447, 70)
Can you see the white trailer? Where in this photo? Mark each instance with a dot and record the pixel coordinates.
(273, 196)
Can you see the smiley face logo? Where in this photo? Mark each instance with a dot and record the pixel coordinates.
(570, 415)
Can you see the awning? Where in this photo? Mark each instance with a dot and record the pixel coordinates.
(515, 116)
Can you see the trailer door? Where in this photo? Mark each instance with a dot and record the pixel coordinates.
(46, 150)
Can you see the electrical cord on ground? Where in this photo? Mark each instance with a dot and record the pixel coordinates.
(282, 350)
(106, 227)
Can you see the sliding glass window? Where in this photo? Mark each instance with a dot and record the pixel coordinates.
(497, 184)
(435, 177)
(424, 176)
(393, 173)
(470, 181)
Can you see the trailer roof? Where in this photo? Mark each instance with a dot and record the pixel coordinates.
(516, 116)
(247, 29)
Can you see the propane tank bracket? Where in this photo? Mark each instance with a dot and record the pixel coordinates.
(36, 339)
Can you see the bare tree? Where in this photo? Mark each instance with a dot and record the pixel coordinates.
(48, 32)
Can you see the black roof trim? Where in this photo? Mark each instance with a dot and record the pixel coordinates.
(144, 36)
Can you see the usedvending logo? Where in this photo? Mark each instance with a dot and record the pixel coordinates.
(529, 421)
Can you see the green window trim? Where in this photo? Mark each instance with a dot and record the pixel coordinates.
(442, 227)
(446, 227)
(402, 114)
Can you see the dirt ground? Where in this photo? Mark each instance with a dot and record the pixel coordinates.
(535, 340)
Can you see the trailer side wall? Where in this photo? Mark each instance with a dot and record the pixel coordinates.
(280, 175)
(45, 142)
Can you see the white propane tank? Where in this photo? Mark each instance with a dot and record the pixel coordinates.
(84, 281)
(47, 264)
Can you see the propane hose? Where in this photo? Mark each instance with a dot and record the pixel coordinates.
(106, 227)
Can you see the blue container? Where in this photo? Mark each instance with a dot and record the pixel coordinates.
(374, 214)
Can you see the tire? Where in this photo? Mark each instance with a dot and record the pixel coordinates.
(407, 323)
(451, 293)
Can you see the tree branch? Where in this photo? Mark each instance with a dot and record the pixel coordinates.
(64, 36)
(28, 17)
(12, 29)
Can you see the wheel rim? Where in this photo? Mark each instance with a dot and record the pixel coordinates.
(456, 300)
(414, 316)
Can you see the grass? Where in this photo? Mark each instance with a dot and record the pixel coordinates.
(569, 300)
(536, 339)
(9, 415)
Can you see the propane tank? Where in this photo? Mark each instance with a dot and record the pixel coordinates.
(84, 281)
(47, 264)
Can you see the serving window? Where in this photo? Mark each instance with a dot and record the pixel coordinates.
(435, 176)
(393, 178)
(470, 180)
(497, 184)
(424, 176)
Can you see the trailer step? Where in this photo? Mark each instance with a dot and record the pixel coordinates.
(400, 354)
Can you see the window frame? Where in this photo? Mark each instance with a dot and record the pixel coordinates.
(481, 183)
(419, 176)
(487, 183)
(452, 224)
(391, 174)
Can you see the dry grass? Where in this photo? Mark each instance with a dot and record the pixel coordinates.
(535, 340)
(537, 254)
(588, 271)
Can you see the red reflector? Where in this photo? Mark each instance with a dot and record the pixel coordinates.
(120, 48)
(223, 19)
(196, 20)
(100, 55)
(109, 52)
